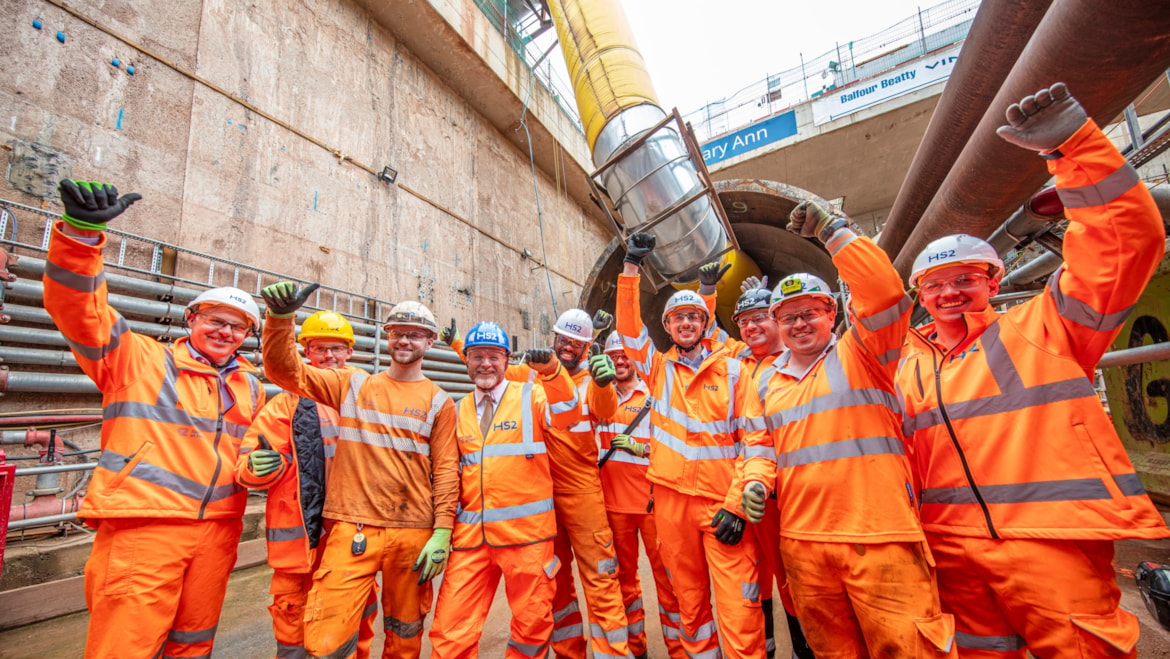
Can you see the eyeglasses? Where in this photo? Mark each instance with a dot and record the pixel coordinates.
(561, 340)
(217, 324)
(685, 317)
(325, 350)
(960, 282)
(413, 337)
(758, 318)
(808, 315)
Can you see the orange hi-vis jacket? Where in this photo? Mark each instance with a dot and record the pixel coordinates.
(286, 528)
(505, 497)
(1006, 434)
(623, 478)
(172, 424)
(693, 447)
(396, 464)
(749, 411)
(832, 445)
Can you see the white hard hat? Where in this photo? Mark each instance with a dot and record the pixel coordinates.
(412, 314)
(575, 324)
(227, 296)
(957, 249)
(613, 343)
(682, 300)
(798, 285)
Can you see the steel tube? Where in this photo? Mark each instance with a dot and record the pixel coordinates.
(1156, 352)
(41, 521)
(1079, 42)
(55, 469)
(1032, 271)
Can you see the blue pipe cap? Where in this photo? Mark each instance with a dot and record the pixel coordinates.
(37, 23)
(61, 37)
(116, 63)
(130, 70)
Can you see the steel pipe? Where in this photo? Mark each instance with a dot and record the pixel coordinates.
(55, 469)
(41, 521)
(1079, 42)
(1157, 352)
(998, 35)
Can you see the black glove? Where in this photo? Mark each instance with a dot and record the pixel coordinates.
(542, 360)
(709, 276)
(728, 527)
(285, 297)
(448, 334)
(1044, 120)
(638, 245)
(90, 205)
(602, 321)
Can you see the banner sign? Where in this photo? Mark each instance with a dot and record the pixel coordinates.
(752, 137)
(841, 102)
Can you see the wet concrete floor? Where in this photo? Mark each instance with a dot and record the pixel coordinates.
(245, 627)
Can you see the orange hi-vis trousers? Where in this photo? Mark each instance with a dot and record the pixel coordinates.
(626, 527)
(155, 587)
(868, 600)
(694, 559)
(1052, 598)
(290, 591)
(344, 584)
(583, 530)
(469, 584)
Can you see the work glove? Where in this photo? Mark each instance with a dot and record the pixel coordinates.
(627, 444)
(728, 527)
(808, 219)
(433, 557)
(90, 205)
(638, 245)
(709, 276)
(1044, 120)
(755, 496)
(752, 283)
(285, 297)
(542, 360)
(449, 335)
(602, 321)
(601, 370)
(263, 460)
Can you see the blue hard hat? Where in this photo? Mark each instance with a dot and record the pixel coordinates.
(487, 334)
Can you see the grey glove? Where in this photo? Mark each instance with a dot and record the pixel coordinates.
(808, 219)
(755, 497)
(1044, 120)
(285, 297)
(638, 245)
(752, 283)
(90, 205)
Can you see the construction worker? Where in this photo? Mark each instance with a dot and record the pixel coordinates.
(860, 574)
(1022, 474)
(289, 451)
(167, 511)
(627, 504)
(692, 464)
(394, 483)
(506, 524)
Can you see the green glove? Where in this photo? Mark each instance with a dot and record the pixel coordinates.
(449, 335)
(90, 205)
(262, 462)
(602, 321)
(285, 297)
(755, 497)
(433, 557)
(627, 444)
(709, 276)
(601, 370)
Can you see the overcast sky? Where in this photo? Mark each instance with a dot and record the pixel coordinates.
(700, 51)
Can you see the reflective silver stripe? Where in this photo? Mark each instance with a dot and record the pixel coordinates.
(893, 354)
(753, 424)
(234, 430)
(506, 513)
(1104, 191)
(550, 570)
(291, 651)
(765, 380)
(640, 432)
(1076, 489)
(688, 452)
(838, 383)
(637, 628)
(622, 456)
(74, 280)
(527, 438)
(350, 409)
(330, 450)
(370, 609)
(382, 440)
(94, 354)
(329, 430)
(637, 345)
(159, 413)
(576, 630)
(402, 629)
(670, 633)
(566, 406)
(166, 479)
(607, 566)
(770, 644)
(840, 238)
(1081, 313)
(191, 637)
(581, 426)
(995, 643)
(1129, 484)
(767, 452)
(346, 649)
(566, 611)
(750, 591)
(528, 650)
(846, 448)
(611, 636)
(887, 316)
(437, 402)
(733, 371)
(673, 616)
(636, 605)
(709, 654)
(500, 451)
(170, 656)
(704, 632)
(285, 534)
(716, 427)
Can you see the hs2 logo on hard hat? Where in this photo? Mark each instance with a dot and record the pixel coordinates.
(948, 254)
(573, 327)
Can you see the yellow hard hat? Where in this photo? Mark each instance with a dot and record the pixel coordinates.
(326, 325)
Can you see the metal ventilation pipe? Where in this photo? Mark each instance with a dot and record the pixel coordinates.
(1107, 51)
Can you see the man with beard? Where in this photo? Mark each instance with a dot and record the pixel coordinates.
(692, 463)
(394, 485)
(506, 522)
